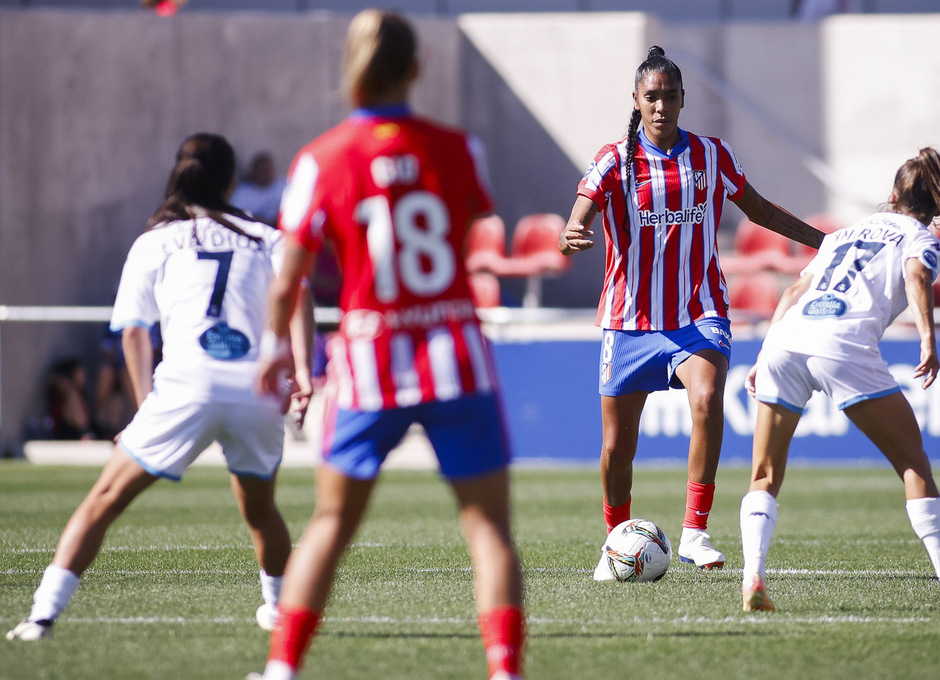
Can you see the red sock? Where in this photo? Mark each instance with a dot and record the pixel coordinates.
(503, 632)
(698, 503)
(614, 515)
(291, 637)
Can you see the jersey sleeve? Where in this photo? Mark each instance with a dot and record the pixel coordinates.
(925, 248)
(302, 213)
(600, 177)
(732, 174)
(135, 303)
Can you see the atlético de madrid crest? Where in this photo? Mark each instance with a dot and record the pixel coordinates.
(700, 181)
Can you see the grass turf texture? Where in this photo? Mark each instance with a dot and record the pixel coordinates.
(174, 591)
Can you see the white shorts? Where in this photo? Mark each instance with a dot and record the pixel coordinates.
(789, 379)
(164, 438)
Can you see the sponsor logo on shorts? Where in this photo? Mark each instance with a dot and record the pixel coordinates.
(723, 334)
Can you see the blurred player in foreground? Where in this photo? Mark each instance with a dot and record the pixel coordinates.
(395, 193)
(664, 306)
(202, 270)
(824, 337)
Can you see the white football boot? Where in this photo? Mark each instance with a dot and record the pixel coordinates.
(30, 631)
(696, 548)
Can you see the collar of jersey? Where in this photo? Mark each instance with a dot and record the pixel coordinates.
(651, 148)
(383, 111)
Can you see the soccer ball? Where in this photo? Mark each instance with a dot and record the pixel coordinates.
(636, 551)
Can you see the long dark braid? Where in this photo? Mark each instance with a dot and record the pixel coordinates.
(656, 62)
(205, 167)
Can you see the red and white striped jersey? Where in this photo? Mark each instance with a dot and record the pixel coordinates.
(395, 194)
(662, 270)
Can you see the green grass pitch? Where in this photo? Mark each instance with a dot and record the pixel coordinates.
(174, 591)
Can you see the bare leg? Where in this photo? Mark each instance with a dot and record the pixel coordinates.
(484, 518)
(890, 424)
(772, 435)
(120, 482)
(341, 504)
(703, 375)
(269, 533)
(621, 428)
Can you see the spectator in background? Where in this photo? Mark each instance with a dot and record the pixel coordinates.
(114, 393)
(260, 193)
(67, 401)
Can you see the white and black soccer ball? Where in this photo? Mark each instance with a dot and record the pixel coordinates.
(636, 551)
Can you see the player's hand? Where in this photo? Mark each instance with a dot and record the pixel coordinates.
(300, 394)
(749, 381)
(275, 364)
(575, 238)
(928, 366)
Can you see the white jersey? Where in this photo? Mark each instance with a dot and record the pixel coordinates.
(857, 288)
(207, 286)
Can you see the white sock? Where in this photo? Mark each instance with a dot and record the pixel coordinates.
(758, 521)
(278, 670)
(270, 588)
(53, 594)
(924, 514)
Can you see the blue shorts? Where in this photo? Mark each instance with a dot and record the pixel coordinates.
(467, 434)
(646, 361)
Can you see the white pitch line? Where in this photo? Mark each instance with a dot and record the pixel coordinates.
(741, 619)
(529, 570)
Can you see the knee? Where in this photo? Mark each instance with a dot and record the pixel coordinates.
(619, 447)
(258, 513)
(706, 401)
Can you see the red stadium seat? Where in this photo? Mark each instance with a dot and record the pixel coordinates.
(485, 289)
(758, 249)
(535, 253)
(754, 297)
(486, 245)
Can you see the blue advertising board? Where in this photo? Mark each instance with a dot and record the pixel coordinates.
(550, 394)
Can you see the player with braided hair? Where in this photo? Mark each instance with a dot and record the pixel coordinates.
(824, 337)
(664, 305)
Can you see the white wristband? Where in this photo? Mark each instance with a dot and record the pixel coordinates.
(273, 347)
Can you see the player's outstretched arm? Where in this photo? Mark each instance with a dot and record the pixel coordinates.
(577, 234)
(918, 286)
(770, 215)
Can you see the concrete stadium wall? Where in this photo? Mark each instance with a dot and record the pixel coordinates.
(94, 104)
(92, 109)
